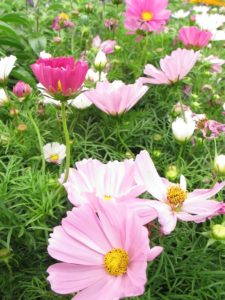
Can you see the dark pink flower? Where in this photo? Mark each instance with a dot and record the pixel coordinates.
(55, 24)
(68, 24)
(194, 37)
(22, 89)
(60, 75)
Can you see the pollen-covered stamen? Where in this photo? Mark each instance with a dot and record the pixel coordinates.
(107, 197)
(54, 158)
(147, 16)
(116, 262)
(59, 86)
(176, 196)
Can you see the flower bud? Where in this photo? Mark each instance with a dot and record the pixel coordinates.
(57, 39)
(172, 173)
(182, 130)
(100, 61)
(13, 112)
(22, 127)
(22, 90)
(218, 232)
(219, 164)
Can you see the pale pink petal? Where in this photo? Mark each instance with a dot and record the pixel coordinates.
(204, 194)
(154, 252)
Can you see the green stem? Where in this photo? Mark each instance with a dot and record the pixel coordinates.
(67, 140)
(39, 141)
(121, 140)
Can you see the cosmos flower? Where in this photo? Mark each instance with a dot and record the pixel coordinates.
(219, 164)
(215, 62)
(81, 101)
(54, 152)
(100, 254)
(120, 97)
(173, 67)
(111, 182)
(146, 15)
(194, 37)
(107, 46)
(174, 202)
(209, 22)
(6, 65)
(61, 76)
(180, 14)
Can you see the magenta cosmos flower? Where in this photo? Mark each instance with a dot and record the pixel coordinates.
(174, 67)
(120, 97)
(194, 37)
(146, 15)
(111, 182)
(174, 202)
(60, 75)
(103, 255)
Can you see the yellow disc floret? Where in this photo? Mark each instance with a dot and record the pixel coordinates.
(63, 16)
(107, 197)
(116, 262)
(176, 196)
(54, 158)
(147, 16)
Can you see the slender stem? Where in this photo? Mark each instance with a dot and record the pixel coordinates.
(182, 109)
(121, 140)
(67, 140)
(39, 141)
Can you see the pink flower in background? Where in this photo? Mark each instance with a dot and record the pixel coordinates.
(111, 24)
(212, 129)
(68, 24)
(60, 75)
(146, 15)
(22, 89)
(55, 24)
(111, 182)
(216, 63)
(173, 200)
(174, 67)
(120, 97)
(107, 46)
(101, 255)
(194, 37)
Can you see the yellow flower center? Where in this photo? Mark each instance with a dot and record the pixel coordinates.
(59, 86)
(63, 16)
(176, 196)
(116, 262)
(147, 16)
(54, 158)
(107, 197)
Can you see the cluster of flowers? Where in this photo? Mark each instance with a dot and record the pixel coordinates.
(102, 244)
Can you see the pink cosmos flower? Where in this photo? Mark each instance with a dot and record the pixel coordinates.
(102, 256)
(216, 63)
(173, 67)
(194, 37)
(107, 46)
(146, 15)
(111, 182)
(60, 75)
(120, 97)
(173, 201)
(22, 89)
(211, 128)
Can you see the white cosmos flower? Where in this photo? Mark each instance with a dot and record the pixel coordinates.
(81, 101)
(94, 76)
(3, 97)
(210, 22)
(183, 130)
(44, 54)
(46, 98)
(219, 164)
(218, 35)
(201, 9)
(6, 65)
(54, 152)
(180, 14)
